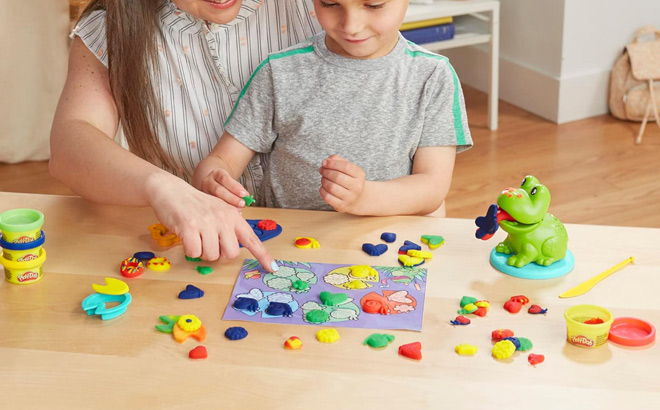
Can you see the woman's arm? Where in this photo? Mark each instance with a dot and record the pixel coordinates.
(343, 186)
(86, 158)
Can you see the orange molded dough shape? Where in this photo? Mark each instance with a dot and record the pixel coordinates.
(181, 335)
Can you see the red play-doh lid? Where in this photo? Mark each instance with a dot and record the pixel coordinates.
(630, 331)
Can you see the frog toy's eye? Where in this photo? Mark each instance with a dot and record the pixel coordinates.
(523, 182)
(533, 191)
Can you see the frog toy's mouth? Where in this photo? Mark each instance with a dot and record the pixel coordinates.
(496, 216)
(511, 225)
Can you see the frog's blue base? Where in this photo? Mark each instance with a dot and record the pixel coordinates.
(533, 270)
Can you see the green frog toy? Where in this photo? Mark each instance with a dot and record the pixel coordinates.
(534, 235)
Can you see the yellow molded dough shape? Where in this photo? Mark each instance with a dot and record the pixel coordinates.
(306, 242)
(159, 264)
(465, 349)
(482, 303)
(181, 335)
(327, 335)
(410, 261)
(189, 323)
(503, 349)
(345, 277)
(363, 271)
(420, 254)
(112, 287)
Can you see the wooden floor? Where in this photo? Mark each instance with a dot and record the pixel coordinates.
(595, 172)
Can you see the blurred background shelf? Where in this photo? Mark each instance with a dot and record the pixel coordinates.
(476, 22)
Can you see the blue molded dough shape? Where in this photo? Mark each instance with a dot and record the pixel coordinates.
(388, 237)
(236, 333)
(191, 292)
(279, 309)
(263, 235)
(247, 304)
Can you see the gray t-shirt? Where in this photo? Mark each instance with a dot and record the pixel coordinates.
(306, 103)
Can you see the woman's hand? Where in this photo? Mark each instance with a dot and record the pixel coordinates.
(209, 227)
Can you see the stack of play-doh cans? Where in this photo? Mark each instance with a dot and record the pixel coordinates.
(22, 245)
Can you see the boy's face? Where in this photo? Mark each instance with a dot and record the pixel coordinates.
(361, 28)
(215, 11)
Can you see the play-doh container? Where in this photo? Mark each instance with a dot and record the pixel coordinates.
(589, 335)
(22, 252)
(22, 273)
(21, 225)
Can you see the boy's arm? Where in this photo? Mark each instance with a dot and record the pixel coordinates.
(344, 188)
(217, 174)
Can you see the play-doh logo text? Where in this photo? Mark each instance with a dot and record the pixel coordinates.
(582, 341)
(27, 276)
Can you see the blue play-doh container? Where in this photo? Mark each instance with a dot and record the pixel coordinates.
(22, 252)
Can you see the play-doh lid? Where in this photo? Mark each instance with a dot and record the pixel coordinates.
(631, 331)
(23, 246)
(21, 220)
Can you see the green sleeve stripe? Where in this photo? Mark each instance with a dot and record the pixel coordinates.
(263, 63)
(456, 106)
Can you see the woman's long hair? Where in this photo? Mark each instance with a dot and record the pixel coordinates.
(132, 31)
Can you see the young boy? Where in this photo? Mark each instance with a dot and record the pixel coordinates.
(382, 118)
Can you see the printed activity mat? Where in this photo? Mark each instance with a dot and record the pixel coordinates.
(362, 296)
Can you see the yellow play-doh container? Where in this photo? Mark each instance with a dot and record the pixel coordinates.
(579, 332)
(22, 273)
(22, 255)
(21, 225)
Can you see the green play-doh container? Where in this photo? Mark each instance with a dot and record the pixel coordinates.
(22, 273)
(21, 225)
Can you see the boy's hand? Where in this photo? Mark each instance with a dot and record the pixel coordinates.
(342, 184)
(220, 184)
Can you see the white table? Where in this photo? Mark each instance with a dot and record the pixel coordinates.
(467, 34)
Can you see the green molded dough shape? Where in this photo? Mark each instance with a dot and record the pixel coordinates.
(169, 321)
(466, 300)
(317, 316)
(333, 299)
(378, 340)
(525, 344)
(204, 270)
(189, 259)
(300, 285)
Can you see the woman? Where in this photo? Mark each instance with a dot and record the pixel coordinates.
(168, 72)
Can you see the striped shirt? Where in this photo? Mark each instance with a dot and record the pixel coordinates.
(204, 66)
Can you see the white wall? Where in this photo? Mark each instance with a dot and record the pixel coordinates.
(33, 64)
(595, 33)
(556, 55)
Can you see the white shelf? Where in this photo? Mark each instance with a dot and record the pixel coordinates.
(459, 40)
(475, 22)
(448, 8)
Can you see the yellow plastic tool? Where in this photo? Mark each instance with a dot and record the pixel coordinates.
(584, 287)
(112, 287)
